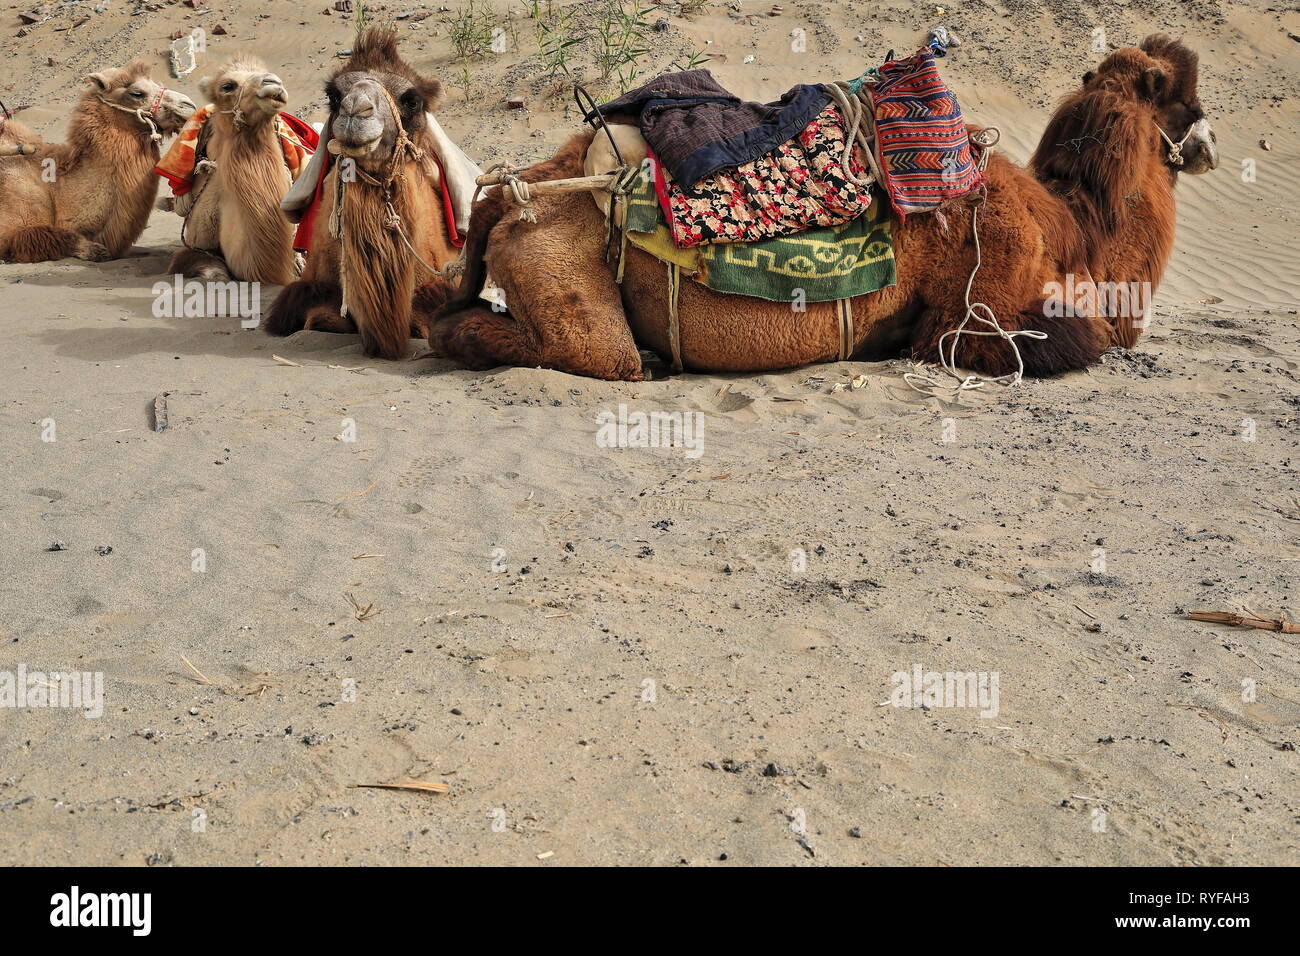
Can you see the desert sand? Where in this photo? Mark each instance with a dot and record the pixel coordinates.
(633, 656)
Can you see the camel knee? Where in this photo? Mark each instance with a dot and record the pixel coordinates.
(1070, 343)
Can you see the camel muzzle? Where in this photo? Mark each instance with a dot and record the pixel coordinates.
(1201, 152)
(173, 111)
(272, 88)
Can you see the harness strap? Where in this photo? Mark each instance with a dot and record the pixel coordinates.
(1175, 154)
(674, 323)
(844, 313)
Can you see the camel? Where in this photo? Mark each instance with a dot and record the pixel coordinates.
(1097, 202)
(231, 199)
(384, 227)
(91, 196)
(14, 135)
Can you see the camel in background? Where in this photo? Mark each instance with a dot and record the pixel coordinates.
(91, 196)
(1097, 202)
(239, 172)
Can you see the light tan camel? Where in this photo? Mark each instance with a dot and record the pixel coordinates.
(1097, 202)
(91, 196)
(233, 224)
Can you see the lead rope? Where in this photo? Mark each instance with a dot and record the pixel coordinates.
(1175, 154)
(978, 311)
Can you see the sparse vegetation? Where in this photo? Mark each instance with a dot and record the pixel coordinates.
(622, 44)
(471, 30)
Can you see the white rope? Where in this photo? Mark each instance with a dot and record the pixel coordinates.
(139, 114)
(978, 311)
(1175, 155)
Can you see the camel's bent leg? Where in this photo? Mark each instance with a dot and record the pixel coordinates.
(307, 304)
(1071, 343)
(199, 264)
(1012, 282)
(46, 243)
(564, 307)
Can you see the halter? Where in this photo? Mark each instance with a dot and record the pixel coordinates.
(1175, 154)
(139, 113)
(392, 219)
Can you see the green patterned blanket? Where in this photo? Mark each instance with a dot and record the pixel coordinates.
(818, 265)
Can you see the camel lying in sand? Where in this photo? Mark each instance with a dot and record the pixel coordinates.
(91, 196)
(383, 226)
(233, 225)
(1096, 202)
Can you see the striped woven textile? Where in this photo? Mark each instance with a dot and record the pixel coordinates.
(925, 153)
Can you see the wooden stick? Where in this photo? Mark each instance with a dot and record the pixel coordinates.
(16, 149)
(1240, 620)
(579, 184)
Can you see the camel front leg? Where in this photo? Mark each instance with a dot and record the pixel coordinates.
(563, 309)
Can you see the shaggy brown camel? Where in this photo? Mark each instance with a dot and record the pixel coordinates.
(1097, 201)
(91, 196)
(368, 257)
(233, 225)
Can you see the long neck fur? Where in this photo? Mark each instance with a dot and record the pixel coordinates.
(252, 179)
(1102, 156)
(380, 275)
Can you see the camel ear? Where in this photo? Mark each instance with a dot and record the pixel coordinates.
(1153, 83)
(98, 80)
(1087, 77)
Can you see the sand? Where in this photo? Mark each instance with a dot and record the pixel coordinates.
(634, 656)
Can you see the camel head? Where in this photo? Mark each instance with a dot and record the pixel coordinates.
(1160, 76)
(130, 88)
(363, 92)
(243, 90)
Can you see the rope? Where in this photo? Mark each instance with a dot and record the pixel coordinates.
(858, 112)
(139, 114)
(1175, 155)
(978, 311)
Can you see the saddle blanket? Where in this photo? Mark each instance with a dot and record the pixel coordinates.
(818, 265)
(799, 185)
(297, 142)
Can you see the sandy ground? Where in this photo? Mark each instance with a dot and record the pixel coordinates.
(618, 656)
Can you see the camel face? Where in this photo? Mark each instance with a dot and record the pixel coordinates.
(361, 114)
(132, 89)
(245, 91)
(1162, 73)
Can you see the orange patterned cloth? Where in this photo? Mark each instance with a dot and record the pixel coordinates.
(297, 140)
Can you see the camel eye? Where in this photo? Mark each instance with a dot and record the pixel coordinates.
(411, 101)
(227, 87)
(138, 94)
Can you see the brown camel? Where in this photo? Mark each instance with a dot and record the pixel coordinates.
(370, 255)
(91, 196)
(1096, 203)
(233, 224)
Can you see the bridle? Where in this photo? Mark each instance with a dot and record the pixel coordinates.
(386, 185)
(139, 113)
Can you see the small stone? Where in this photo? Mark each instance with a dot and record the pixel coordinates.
(1265, 145)
(219, 30)
(515, 103)
(775, 770)
(57, 545)
(856, 833)
(103, 550)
